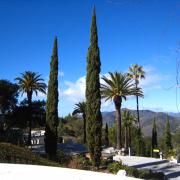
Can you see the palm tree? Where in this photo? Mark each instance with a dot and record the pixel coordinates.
(81, 109)
(128, 119)
(30, 82)
(136, 73)
(117, 87)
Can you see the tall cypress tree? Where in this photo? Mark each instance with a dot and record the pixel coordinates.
(93, 97)
(106, 136)
(167, 137)
(154, 136)
(52, 105)
(139, 143)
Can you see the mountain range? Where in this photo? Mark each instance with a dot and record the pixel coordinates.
(146, 120)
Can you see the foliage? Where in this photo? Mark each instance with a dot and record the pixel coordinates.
(93, 97)
(16, 118)
(139, 143)
(113, 135)
(71, 128)
(52, 105)
(167, 138)
(115, 167)
(79, 162)
(133, 172)
(106, 139)
(14, 136)
(154, 137)
(128, 120)
(117, 87)
(176, 141)
(14, 154)
(136, 73)
(81, 109)
(8, 95)
(28, 83)
(148, 146)
(63, 158)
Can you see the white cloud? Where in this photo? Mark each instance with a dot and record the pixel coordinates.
(60, 73)
(152, 79)
(107, 105)
(75, 92)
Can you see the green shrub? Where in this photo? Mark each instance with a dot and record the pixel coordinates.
(14, 154)
(148, 174)
(63, 158)
(115, 167)
(133, 172)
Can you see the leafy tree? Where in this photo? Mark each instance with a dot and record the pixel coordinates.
(112, 131)
(139, 143)
(81, 109)
(16, 117)
(106, 136)
(136, 73)
(71, 128)
(93, 97)
(29, 83)
(117, 87)
(154, 136)
(167, 138)
(52, 105)
(128, 120)
(8, 95)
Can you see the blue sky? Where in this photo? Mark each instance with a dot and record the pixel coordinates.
(130, 31)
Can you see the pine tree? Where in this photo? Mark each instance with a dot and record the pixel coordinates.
(106, 136)
(167, 137)
(52, 105)
(154, 136)
(93, 97)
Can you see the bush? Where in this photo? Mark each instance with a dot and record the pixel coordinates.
(115, 167)
(79, 162)
(14, 136)
(133, 172)
(63, 158)
(14, 154)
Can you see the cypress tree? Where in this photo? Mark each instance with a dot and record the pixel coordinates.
(106, 136)
(154, 136)
(52, 105)
(139, 143)
(167, 137)
(93, 97)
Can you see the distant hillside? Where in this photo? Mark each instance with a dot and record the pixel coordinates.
(174, 114)
(146, 119)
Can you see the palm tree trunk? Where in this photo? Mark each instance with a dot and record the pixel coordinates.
(117, 102)
(84, 119)
(126, 136)
(137, 103)
(29, 96)
(129, 137)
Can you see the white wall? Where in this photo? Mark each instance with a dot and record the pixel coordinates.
(31, 172)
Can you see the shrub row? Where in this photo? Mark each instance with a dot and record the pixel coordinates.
(133, 172)
(14, 154)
